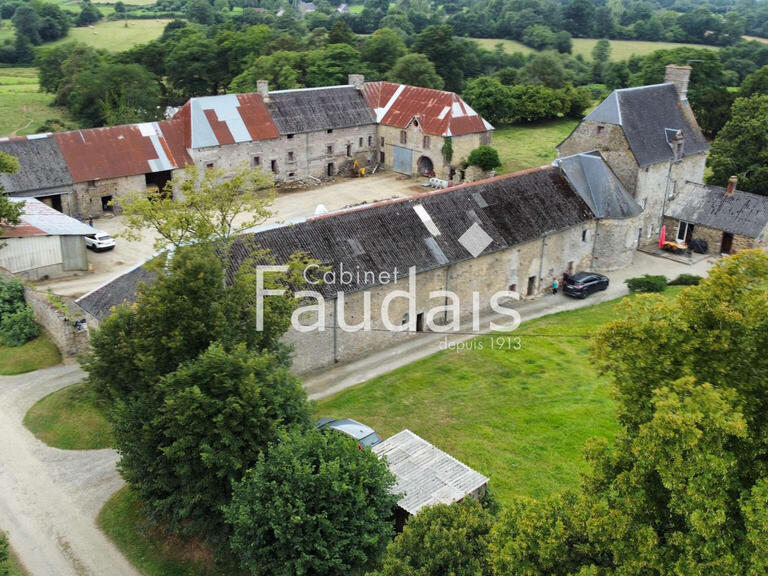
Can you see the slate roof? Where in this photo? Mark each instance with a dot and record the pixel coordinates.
(598, 186)
(317, 109)
(41, 165)
(741, 213)
(121, 290)
(397, 234)
(645, 114)
(424, 230)
(425, 474)
(440, 113)
(225, 119)
(39, 219)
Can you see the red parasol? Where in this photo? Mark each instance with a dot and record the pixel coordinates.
(662, 236)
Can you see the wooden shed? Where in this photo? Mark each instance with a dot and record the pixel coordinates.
(426, 475)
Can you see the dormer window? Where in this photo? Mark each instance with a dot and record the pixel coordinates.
(676, 143)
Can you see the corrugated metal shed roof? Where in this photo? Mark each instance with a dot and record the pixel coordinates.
(226, 119)
(116, 151)
(440, 113)
(598, 186)
(425, 474)
(740, 213)
(645, 114)
(39, 219)
(121, 290)
(317, 109)
(41, 165)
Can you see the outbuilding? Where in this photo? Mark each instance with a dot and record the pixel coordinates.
(45, 244)
(426, 475)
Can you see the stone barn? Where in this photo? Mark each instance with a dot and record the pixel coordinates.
(46, 244)
(728, 219)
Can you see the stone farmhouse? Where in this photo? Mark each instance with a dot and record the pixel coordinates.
(308, 133)
(630, 167)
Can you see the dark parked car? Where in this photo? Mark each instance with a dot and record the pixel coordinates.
(582, 284)
(365, 435)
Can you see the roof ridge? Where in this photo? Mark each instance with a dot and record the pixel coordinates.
(428, 194)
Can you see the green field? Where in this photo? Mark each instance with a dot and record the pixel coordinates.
(521, 417)
(34, 355)
(70, 419)
(115, 36)
(22, 106)
(152, 553)
(620, 49)
(525, 146)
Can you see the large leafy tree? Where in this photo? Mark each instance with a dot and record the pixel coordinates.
(332, 65)
(209, 206)
(446, 53)
(442, 539)
(682, 489)
(313, 504)
(282, 69)
(196, 389)
(489, 98)
(741, 147)
(416, 70)
(191, 64)
(382, 49)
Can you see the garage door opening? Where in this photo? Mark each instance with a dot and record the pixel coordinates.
(425, 166)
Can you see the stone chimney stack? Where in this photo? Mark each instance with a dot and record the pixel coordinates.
(679, 76)
(262, 87)
(357, 80)
(732, 183)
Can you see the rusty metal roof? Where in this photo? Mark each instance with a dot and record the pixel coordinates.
(117, 151)
(226, 119)
(438, 112)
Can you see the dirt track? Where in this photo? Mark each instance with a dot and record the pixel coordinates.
(49, 498)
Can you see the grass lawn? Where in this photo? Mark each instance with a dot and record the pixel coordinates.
(620, 49)
(152, 553)
(14, 566)
(35, 354)
(529, 145)
(115, 36)
(22, 106)
(521, 417)
(70, 419)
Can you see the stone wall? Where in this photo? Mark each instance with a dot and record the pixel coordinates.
(62, 319)
(610, 141)
(713, 236)
(88, 195)
(615, 244)
(541, 260)
(295, 156)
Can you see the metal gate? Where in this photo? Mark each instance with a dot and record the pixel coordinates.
(403, 160)
(73, 253)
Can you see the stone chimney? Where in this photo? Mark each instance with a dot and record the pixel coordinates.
(357, 80)
(262, 87)
(679, 76)
(732, 183)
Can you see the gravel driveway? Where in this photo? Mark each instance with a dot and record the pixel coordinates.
(49, 498)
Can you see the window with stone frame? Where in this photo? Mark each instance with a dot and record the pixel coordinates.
(426, 142)
(291, 156)
(256, 162)
(329, 149)
(403, 137)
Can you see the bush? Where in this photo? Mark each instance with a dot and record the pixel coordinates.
(686, 280)
(4, 554)
(647, 283)
(18, 328)
(485, 157)
(17, 321)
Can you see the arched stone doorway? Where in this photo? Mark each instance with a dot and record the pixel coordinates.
(425, 166)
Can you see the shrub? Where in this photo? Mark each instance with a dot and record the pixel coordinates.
(4, 554)
(17, 322)
(18, 327)
(647, 283)
(485, 157)
(686, 280)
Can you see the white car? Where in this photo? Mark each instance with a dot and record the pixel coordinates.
(99, 242)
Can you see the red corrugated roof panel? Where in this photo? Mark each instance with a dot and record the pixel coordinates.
(256, 117)
(439, 112)
(115, 151)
